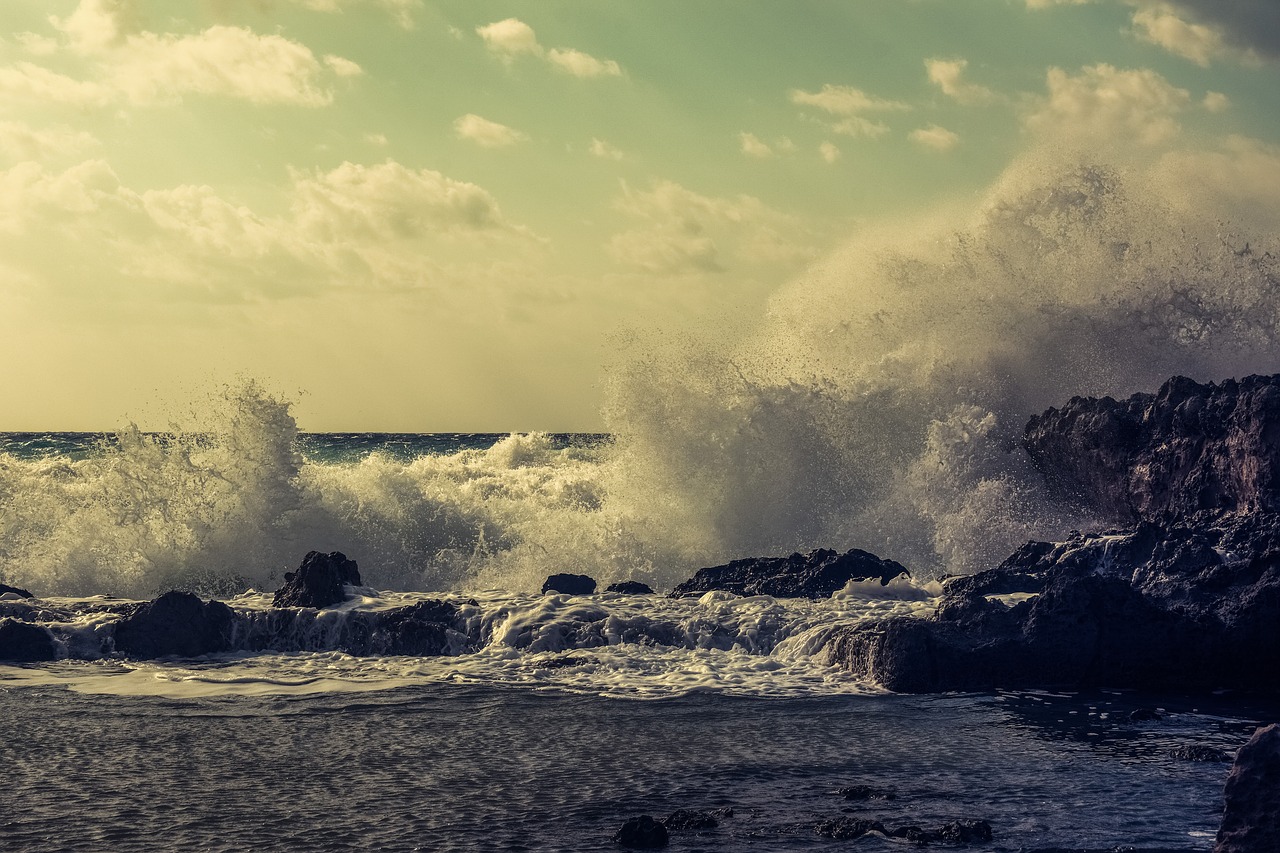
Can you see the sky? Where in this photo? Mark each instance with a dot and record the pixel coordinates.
(434, 215)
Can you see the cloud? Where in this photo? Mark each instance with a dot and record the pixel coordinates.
(828, 152)
(1106, 103)
(512, 38)
(937, 138)
(401, 10)
(603, 150)
(686, 233)
(1196, 42)
(485, 133)
(753, 147)
(19, 141)
(133, 65)
(946, 74)
(1249, 26)
(1216, 102)
(847, 104)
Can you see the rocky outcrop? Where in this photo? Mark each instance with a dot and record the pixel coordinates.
(1159, 457)
(630, 588)
(5, 589)
(176, 623)
(23, 642)
(1251, 819)
(642, 833)
(319, 581)
(814, 575)
(690, 820)
(567, 584)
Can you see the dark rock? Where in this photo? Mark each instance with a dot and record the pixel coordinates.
(964, 832)
(642, 833)
(1208, 754)
(1163, 456)
(630, 588)
(847, 828)
(914, 834)
(561, 662)
(684, 820)
(176, 623)
(866, 792)
(419, 629)
(813, 575)
(319, 581)
(1251, 819)
(24, 642)
(723, 811)
(569, 584)
(22, 593)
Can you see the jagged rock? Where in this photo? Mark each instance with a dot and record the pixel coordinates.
(866, 792)
(21, 593)
(1159, 457)
(642, 833)
(1208, 754)
(567, 584)
(176, 623)
(318, 582)
(25, 642)
(848, 828)
(687, 820)
(630, 588)
(963, 832)
(814, 575)
(1251, 819)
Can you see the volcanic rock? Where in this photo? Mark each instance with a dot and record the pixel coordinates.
(567, 584)
(24, 642)
(630, 588)
(1251, 820)
(814, 575)
(21, 593)
(642, 833)
(176, 623)
(318, 582)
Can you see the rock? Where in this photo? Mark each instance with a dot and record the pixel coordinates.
(963, 832)
(866, 792)
(1251, 819)
(847, 828)
(914, 834)
(5, 589)
(318, 582)
(176, 623)
(814, 575)
(642, 833)
(1163, 456)
(23, 642)
(684, 820)
(569, 584)
(1144, 715)
(630, 588)
(1208, 754)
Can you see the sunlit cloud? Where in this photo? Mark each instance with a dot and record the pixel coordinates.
(1105, 102)
(512, 38)
(948, 75)
(937, 138)
(485, 133)
(846, 105)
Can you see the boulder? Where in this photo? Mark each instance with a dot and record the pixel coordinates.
(848, 828)
(689, 820)
(5, 589)
(569, 584)
(642, 833)
(318, 582)
(1251, 819)
(23, 642)
(814, 575)
(630, 588)
(176, 623)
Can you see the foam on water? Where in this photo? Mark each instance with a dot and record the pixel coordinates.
(879, 405)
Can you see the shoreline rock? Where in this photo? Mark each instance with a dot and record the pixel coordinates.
(1251, 817)
(814, 575)
(319, 581)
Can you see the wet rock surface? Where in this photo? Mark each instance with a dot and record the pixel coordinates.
(567, 584)
(22, 642)
(5, 589)
(690, 820)
(642, 833)
(1251, 819)
(176, 623)
(319, 581)
(814, 575)
(630, 588)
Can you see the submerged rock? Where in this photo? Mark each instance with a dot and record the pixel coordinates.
(569, 584)
(23, 642)
(687, 820)
(5, 589)
(1208, 754)
(814, 575)
(1251, 819)
(642, 833)
(319, 581)
(630, 588)
(176, 623)
(848, 828)
(866, 792)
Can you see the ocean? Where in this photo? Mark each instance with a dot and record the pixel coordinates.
(879, 406)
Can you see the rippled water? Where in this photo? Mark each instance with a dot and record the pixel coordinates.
(457, 768)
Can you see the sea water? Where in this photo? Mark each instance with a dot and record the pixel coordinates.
(878, 405)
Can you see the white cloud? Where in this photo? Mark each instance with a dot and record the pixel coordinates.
(19, 141)
(847, 104)
(401, 10)
(485, 133)
(947, 75)
(511, 38)
(603, 150)
(378, 139)
(1045, 4)
(1107, 103)
(828, 152)
(36, 44)
(1216, 102)
(27, 82)
(342, 67)
(937, 138)
(753, 147)
(1160, 25)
